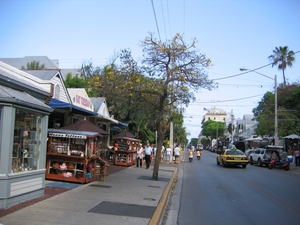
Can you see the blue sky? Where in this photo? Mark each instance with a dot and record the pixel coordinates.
(232, 33)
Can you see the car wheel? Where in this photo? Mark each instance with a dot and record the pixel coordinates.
(223, 164)
(259, 162)
(244, 166)
(218, 163)
(251, 161)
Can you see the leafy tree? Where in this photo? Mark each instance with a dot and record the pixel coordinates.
(194, 141)
(74, 82)
(34, 65)
(288, 112)
(139, 125)
(204, 141)
(179, 131)
(213, 129)
(282, 57)
(176, 70)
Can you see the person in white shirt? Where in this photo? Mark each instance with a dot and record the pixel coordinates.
(177, 153)
(162, 154)
(148, 153)
(168, 151)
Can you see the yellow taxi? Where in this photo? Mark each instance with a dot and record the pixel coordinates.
(232, 157)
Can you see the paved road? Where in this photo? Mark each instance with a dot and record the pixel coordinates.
(210, 194)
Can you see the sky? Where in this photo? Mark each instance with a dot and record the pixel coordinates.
(232, 33)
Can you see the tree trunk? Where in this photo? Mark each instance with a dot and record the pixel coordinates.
(159, 147)
(284, 82)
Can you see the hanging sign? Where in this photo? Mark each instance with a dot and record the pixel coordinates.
(77, 136)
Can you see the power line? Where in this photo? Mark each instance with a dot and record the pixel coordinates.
(163, 15)
(231, 100)
(239, 74)
(183, 16)
(169, 19)
(155, 20)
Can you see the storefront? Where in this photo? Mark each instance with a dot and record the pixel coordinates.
(23, 136)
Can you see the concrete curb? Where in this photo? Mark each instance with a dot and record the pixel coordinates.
(156, 218)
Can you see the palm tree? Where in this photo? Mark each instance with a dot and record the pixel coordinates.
(34, 65)
(283, 57)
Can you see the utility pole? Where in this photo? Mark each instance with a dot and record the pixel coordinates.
(171, 141)
(231, 125)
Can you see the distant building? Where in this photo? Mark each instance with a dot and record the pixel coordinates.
(245, 128)
(215, 114)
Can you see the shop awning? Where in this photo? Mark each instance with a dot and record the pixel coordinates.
(57, 104)
(123, 124)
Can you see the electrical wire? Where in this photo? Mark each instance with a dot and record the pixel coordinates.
(183, 16)
(239, 74)
(155, 20)
(230, 100)
(169, 19)
(163, 15)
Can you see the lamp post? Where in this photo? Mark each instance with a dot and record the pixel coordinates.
(275, 93)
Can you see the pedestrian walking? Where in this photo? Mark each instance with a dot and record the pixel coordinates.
(162, 154)
(139, 155)
(177, 153)
(297, 157)
(168, 152)
(148, 153)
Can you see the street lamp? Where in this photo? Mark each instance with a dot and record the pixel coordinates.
(276, 114)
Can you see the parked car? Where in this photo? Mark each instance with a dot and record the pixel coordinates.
(262, 156)
(232, 157)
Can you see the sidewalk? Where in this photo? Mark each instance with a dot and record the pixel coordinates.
(129, 196)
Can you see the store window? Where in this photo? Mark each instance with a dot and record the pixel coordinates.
(27, 141)
(57, 92)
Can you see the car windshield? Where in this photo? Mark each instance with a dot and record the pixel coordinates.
(234, 152)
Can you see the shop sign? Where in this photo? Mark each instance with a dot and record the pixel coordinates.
(80, 98)
(61, 135)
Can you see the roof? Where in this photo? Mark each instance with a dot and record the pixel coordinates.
(97, 102)
(19, 62)
(43, 74)
(292, 136)
(123, 135)
(10, 95)
(84, 125)
(102, 112)
(248, 117)
(20, 80)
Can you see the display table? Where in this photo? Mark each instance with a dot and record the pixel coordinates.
(67, 168)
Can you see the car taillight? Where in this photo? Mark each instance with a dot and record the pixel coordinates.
(228, 157)
(246, 158)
